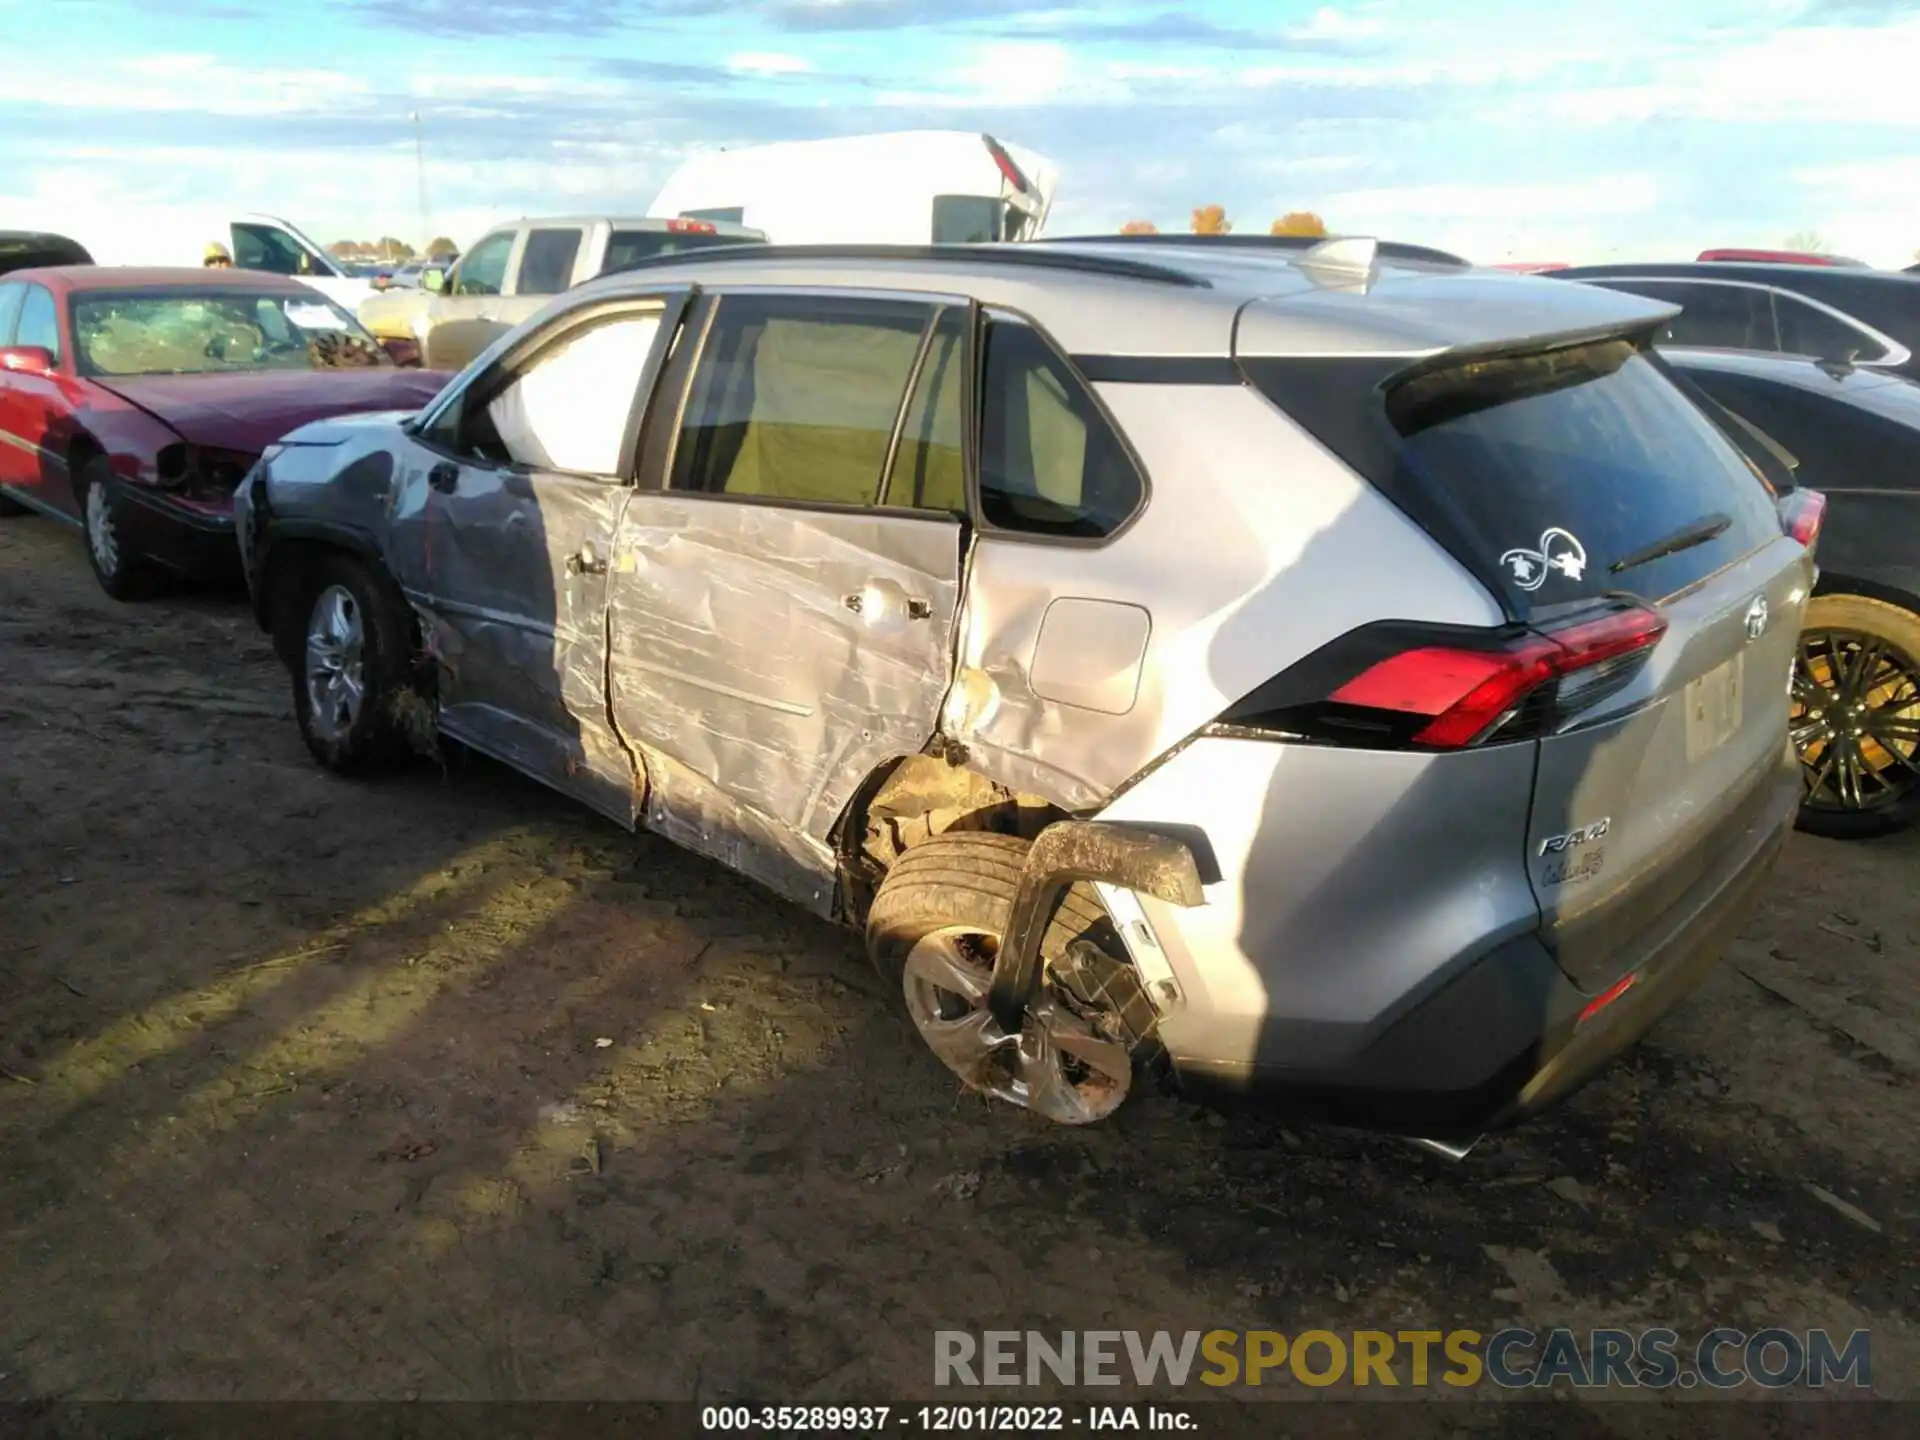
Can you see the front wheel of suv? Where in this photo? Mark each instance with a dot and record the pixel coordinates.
(350, 668)
(933, 932)
(1856, 717)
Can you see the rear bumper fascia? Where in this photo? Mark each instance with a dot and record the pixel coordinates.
(1504, 1040)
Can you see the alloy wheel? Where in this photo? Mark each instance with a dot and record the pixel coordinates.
(336, 672)
(1056, 1065)
(1855, 720)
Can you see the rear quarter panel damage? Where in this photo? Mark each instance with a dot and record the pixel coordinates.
(1255, 548)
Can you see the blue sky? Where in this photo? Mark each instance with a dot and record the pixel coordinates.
(1534, 131)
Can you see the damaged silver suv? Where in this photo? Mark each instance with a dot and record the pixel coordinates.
(1332, 673)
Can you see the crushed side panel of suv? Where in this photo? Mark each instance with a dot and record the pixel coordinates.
(1333, 674)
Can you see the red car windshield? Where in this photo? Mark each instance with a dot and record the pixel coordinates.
(215, 332)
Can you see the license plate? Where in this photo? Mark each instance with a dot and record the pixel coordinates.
(1714, 706)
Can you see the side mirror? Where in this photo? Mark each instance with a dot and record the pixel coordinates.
(402, 351)
(27, 359)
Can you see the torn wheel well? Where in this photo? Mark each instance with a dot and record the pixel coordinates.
(914, 798)
(285, 578)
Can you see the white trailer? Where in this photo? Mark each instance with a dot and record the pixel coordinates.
(907, 187)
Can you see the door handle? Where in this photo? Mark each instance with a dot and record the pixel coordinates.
(916, 609)
(444, 477)
(586, 562)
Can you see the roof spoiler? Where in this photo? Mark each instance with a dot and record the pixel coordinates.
(1009, 171)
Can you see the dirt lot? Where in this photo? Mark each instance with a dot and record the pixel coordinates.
(442, 1088)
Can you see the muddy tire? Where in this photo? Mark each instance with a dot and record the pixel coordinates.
(350, 656)
(123, 572)
(1876, 712)
(932, 932)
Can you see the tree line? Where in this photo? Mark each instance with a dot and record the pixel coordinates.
(1212, 220)
(388, 249)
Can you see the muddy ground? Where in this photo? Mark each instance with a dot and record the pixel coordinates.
(444, 1088)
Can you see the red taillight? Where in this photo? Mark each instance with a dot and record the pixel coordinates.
(1605, 998)
(693, 227)
(1803, 512)
(1470, 693)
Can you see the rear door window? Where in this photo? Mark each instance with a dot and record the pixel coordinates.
(1807, 329)
(1570, 467)
(1050, 462)
(796, 398)
(546, 262)
(930, 467)
(968, 219)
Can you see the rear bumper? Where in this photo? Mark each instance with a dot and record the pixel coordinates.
(1505, 1038)
(178, 536)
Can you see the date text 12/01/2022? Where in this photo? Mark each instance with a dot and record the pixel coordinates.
(947, 1419)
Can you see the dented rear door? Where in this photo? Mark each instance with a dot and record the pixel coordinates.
(783, 603)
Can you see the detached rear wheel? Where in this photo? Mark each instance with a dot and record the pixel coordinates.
(351, 668)
(1856, 717)
(935, 930)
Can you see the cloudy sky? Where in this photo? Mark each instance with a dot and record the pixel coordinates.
(1506, 129)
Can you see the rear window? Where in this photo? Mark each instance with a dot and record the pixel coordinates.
(546, 262)
(630, 247)
(968, 219)
(1572, 467)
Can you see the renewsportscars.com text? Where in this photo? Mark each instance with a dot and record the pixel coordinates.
(1513, 1358)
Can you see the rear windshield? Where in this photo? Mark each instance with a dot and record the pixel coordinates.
(969, 219)
(1574, 467)
(630, 247)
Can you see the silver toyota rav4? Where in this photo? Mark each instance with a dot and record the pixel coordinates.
(1332, 673)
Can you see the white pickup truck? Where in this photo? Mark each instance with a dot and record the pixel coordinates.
(511, 271)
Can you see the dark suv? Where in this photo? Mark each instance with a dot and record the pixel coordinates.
(1868, 317)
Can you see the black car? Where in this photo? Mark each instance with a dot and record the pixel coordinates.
(1830, 312)
(33, 249)
(1853, 435)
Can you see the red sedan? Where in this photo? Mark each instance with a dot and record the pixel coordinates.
(133, 401)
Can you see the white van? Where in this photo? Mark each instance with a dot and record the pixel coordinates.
(908, 187)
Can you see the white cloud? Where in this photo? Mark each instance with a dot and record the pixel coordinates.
(1331, 24)
(180, 82)
(1818, 74)
(764, 62)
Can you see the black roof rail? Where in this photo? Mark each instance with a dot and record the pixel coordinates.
(1388, 249)
(1022, 255)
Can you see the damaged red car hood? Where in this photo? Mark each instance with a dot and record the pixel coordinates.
(250, 411)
